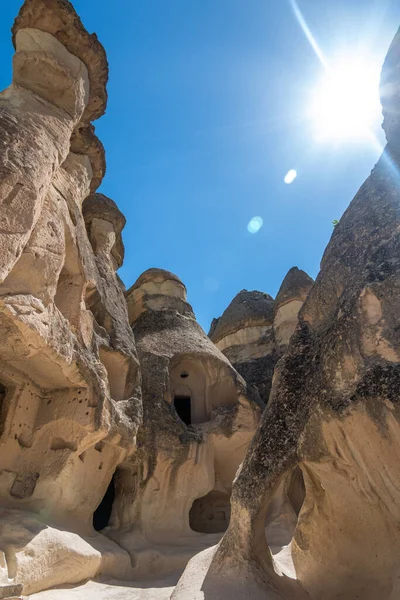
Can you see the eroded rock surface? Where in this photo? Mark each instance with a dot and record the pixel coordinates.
(198, 421)
(88, 487)
(70, 397)
(255, 329)
(288, 302)
(321, 477)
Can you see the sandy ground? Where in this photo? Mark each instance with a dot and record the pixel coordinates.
(145, 590)
(112, 590)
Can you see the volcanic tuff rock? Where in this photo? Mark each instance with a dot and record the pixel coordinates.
(244, 334)
(321, 476)
(70, 397)
(291, 297)
(198, 420)
(313, 510)
(58, 18)
(255, 329)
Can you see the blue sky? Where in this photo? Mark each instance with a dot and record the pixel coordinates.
(208, 110)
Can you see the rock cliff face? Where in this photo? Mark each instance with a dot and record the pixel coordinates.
(255, 329)
(127, 439)
(70, 401)
(198, 421)
(315, 506)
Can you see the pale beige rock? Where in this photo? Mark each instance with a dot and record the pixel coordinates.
(34, 142)
(245, 335)
(308, 509)
(198, 421)
(59, 556)
(285, 321)
(47, 69)
(255, 330)
(85, 142)
(70, 398)
(291, 297)
(58, 18)
(157, 589)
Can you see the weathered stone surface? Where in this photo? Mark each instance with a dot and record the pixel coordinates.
(313, 510)
(58, 18)
(319, 485)
(198, 421)
(246, 309)
(245, 335)
(295, 285)
(70, 397)
(99, 207)
(291, 296)
(58, 555)
(9, 591)
(35, 138)
(84, 141)
(255, 329)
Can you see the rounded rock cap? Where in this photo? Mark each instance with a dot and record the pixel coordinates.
(154, 275)
(247, 308)
(99, 206)
(154, 290)
(295, 285)
(85, 141)
(59, 18)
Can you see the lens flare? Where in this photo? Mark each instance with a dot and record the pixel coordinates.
(255, 224)
(290, 176)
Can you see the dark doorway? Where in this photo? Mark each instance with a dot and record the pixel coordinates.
(102, 514)
(182, 407)
(211, 513)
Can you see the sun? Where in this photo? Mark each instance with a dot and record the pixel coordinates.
(345, 104)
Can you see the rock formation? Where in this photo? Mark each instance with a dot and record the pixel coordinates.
(255, 329)
(244, 334)
(70, 388)
(321, 477)
(288, 302)
(126, 435)
(197, 423)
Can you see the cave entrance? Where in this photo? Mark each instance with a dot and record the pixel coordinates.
(296, 492)
(102, 514)
(211, 513)
(183, 408)
(284, 509)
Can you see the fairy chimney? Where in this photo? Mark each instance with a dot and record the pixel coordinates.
(198, 420)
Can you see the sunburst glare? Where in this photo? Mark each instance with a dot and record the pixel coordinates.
(345, 103)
